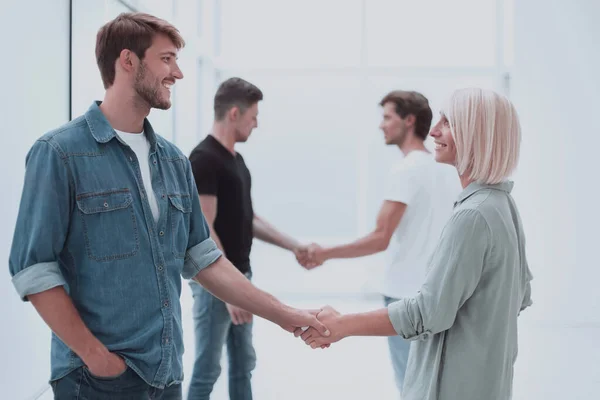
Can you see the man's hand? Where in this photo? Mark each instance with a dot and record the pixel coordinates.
(239, 316)
(310, 256)
(332, 319)
(295, 319)
(301, 253)
(107, 365)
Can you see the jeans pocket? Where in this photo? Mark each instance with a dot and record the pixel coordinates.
(105, 378)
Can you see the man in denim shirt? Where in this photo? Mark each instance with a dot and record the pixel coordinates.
(110, 220)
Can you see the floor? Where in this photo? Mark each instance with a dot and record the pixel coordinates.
(357, 368)
(555, 363)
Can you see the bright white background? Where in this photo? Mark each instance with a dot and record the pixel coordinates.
(318, 159)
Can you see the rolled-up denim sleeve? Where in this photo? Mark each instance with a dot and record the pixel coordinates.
(42, 221)
(455, 270)
(202, 251)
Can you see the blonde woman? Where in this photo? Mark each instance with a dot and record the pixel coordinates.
(463, 321)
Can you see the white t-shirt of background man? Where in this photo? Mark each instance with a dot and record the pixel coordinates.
(429, 190)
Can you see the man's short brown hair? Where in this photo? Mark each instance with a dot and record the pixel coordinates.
(235, 92)
(132, 31)
(414, 103)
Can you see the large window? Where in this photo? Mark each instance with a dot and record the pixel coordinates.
(323, 66)
(318, 159)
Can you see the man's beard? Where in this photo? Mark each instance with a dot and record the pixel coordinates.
(149, 92)
(400, 139)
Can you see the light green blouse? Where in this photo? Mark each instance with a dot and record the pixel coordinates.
(463, 321)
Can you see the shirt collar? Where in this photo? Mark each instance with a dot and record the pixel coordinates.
(103, 132)
(474, 187)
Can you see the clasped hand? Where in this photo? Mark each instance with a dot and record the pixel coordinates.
(329, 317)
(310, 256)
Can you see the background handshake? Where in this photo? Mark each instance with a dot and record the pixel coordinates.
(310, 256)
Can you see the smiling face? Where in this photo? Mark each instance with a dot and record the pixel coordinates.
(157, 72)
(445, 148)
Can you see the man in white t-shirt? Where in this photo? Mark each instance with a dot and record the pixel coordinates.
(419, 197)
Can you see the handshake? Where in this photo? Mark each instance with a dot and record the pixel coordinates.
(327, 329)
(310, 256)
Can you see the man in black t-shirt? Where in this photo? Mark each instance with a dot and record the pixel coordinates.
(224, 187)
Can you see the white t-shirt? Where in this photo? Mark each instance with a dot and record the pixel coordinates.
(429, 190)
(141, 147)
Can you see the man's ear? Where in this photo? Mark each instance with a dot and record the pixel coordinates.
(127, 60)
(234, 113)
(410, 120)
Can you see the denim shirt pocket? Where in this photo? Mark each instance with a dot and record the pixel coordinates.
(179, 213)
(101, 213)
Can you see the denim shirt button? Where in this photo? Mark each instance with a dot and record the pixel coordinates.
(105, 205)
(166, 304)
(161, 233)
(160, 267)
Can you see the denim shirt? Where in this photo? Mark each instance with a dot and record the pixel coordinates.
(85, 223)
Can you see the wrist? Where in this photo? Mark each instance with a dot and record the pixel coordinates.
(293, 246)
(94, 352)
(285, 313)
(327, 253)
(345, 327)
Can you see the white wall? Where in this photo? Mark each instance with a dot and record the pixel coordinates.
(555, 89)
(34, 100)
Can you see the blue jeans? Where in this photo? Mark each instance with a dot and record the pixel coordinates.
(82, 385)
(213, 328)
(399, 350)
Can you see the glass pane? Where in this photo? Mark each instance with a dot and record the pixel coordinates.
(303, 154)
(114, 8)
(509, 32)
(274, 33)
(217, 27)
(160, 8)
(199, 15)
(88, 17)
(431, 32)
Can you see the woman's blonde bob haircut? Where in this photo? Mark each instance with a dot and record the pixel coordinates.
(487, 134)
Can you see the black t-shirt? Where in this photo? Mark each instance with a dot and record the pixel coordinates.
(219, 173)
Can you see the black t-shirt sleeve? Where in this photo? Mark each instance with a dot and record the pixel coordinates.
(205, 173)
